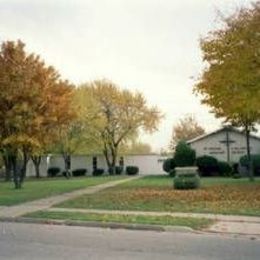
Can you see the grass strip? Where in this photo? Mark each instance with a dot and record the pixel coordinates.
(195, 223)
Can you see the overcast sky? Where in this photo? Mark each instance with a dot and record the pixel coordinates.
(146, 45)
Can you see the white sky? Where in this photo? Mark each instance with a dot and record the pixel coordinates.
(146, 45)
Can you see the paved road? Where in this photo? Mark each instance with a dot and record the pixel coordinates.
(32, 241)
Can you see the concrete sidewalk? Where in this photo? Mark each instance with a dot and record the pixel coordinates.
(43, 204)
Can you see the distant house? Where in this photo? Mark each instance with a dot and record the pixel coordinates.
(225, 144)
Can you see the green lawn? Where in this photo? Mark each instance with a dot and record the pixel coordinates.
(45, 187)
(155, 193)
(195, 223)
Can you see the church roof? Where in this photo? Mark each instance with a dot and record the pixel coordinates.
(225, 128)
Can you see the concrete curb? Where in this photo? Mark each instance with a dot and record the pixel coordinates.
(111, 225)
(229, 233)
(137, 227)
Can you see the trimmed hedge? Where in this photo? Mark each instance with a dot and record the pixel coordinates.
(224, 169)
(186, 181)
(237, 176)
(208, 165)
(256, 163)
(172, 173)
(98, 172)
(184, 155)
(168, 165)
(53, 171)
(132, 170)
(79, 172)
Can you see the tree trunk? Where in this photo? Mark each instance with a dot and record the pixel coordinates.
(66, 158)
(8, 167)
(111, 159)
(25, 160)
(114, 159)
(105, 151)
(16, 172)
(36, 162)
(250, 161)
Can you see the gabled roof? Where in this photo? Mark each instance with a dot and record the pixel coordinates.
(225, 128)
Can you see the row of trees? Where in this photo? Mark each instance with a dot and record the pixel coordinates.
(40, 112)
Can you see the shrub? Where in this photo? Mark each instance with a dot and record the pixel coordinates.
(168, 165)
(184, 155)
(237, 176)
(256, 162)
(132, 170)
(224, 169)
(207, 165)
(172, 173)
(235, 167)
(118, 170)
(79, 172)
(53, 171)
(98, 172)
(187, 181)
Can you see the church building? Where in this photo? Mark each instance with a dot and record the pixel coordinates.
(225, 144)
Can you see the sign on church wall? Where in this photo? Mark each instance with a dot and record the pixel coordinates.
(225, 146)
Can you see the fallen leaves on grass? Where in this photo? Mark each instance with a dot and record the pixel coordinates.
(226, 199)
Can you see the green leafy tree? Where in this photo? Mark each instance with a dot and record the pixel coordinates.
(184, 155)
(113, 116)
(230, 82)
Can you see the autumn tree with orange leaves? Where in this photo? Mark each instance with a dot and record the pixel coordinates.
(186, 129)
(33, 101)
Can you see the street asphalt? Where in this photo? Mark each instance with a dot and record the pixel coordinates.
(34, 241)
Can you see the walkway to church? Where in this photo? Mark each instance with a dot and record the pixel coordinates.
(226, 224)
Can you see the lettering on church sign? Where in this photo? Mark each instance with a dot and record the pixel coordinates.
(214, 150)
(238, 150)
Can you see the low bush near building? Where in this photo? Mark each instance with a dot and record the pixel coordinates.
(237, 176)
(172, 173)
(98, 172)
(207, 165)
(224, 169)
(132, 170)
(169, 165)
(53, 171)
(186, 181)
(79, 172)
(256, 162)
